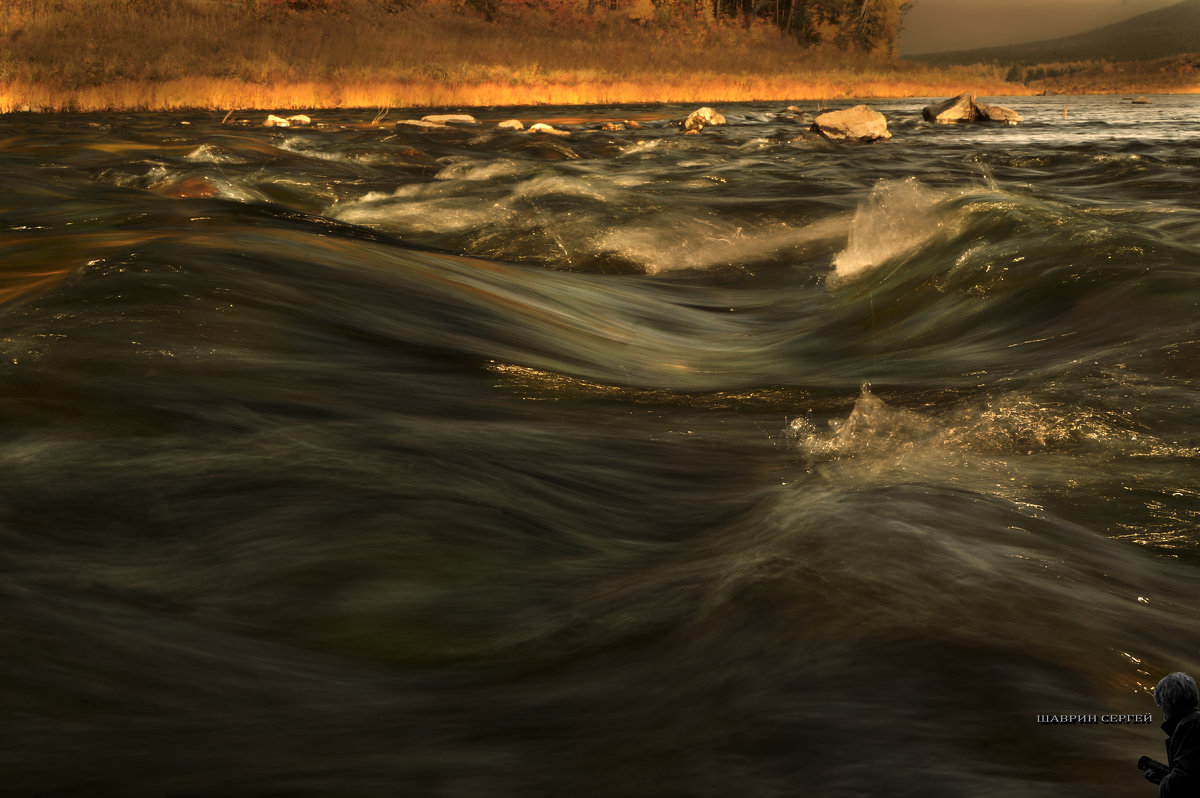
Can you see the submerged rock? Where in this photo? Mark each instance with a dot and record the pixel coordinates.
(423, 123)
(511, 124)
(542, 127)
(189, 187)
(1140, 101)
(450, 119)
(859, 123)
(701, 118)
(624, 124)
(957, 109)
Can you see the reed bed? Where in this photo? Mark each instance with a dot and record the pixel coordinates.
(89, 55)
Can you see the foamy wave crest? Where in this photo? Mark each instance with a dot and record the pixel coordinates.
(666, 244)
(471, 169)
(210, 153)
(547, 218)
(557, 185)
(437, 215)
(308, 148)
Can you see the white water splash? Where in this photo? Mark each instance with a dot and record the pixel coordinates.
(897, 216)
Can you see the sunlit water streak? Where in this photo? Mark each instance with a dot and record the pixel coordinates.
(378, 461)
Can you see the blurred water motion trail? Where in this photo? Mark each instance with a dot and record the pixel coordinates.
(374, 461)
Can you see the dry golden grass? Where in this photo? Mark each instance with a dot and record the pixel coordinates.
(175, 54)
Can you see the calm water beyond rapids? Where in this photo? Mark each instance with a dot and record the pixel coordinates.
(379, 461)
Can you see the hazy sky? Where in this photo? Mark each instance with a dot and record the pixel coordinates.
(935, 25)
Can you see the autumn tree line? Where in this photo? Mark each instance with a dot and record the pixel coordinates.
(870, 26)
(865, 26)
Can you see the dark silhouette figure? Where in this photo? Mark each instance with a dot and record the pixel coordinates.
(1176, 694)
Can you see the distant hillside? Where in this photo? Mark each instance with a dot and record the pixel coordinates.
(1168, 31)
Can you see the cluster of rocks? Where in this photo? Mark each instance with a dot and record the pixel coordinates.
(858, 123)
(964, 108)
(861, 123)
(445, 121)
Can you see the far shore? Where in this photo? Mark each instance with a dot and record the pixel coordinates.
(95, 55)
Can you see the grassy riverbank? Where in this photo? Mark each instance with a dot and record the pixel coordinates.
(175, 54)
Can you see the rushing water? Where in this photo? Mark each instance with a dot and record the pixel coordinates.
(379, 461)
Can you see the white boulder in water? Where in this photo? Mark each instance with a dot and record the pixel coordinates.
(279, 121)
(859, 123)
(542, 127)
(511, 124)
(450, 119)
(701, 118)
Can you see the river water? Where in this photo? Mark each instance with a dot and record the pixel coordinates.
(376, 461)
